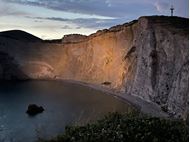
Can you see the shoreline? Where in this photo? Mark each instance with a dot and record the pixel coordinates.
(143, 106)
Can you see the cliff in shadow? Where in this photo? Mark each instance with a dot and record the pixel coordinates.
(147, 58)
(9, 69)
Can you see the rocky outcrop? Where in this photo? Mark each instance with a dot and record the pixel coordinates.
(73, 38)
(147, 58)
(33, 110)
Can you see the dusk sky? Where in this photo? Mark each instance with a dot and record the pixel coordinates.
(51, 19)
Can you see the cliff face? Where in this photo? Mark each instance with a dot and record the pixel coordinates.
(161, 64)
(147, 58)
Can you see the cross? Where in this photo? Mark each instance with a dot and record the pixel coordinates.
(172, 10)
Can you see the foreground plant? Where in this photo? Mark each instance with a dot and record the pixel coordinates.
(117, 127)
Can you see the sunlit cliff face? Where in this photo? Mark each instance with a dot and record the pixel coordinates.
(147, 58)
(97, 58)
(100, 58)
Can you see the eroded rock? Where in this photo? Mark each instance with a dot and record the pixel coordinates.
(33, 109)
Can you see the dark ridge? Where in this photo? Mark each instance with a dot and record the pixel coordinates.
(53, 41)
(20, 35)
(170, 21)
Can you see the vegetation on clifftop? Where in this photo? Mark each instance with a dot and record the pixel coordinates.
(117, 127)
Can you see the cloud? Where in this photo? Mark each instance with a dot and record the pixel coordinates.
(66, 27)
(7, 9)
(93, 23)
(162, 6)
(82, 16)
(109, 8)
(181, 7)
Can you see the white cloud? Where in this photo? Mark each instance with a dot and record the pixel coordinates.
(92, 23)
(108, 2)
(109, 8)
(7, 9)
(162, 6)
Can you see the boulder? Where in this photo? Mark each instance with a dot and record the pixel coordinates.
(33, 109)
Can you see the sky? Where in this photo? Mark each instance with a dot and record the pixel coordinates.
(52, 19)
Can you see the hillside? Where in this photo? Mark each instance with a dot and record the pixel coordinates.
(147, 58)
(20, 35)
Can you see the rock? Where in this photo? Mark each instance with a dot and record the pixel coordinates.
(73, 38)
(10, 69)
(106, 83)
(147, 58)
(33, 109)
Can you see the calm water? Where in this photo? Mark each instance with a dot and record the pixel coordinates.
(64, 104)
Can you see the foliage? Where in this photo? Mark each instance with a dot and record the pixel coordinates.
(117, 127)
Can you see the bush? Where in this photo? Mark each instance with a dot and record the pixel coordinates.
(117, 127)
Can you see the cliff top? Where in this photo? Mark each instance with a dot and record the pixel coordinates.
(174, 22)
(177, 22)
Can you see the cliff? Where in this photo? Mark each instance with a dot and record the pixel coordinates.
(147, 58)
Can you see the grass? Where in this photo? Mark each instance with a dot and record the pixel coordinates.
(117, 127)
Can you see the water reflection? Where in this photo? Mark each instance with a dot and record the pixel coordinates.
(64, 104)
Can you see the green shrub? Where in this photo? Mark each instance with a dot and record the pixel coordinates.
(117, 127)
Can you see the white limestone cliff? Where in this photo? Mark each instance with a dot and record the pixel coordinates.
(147, 58)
